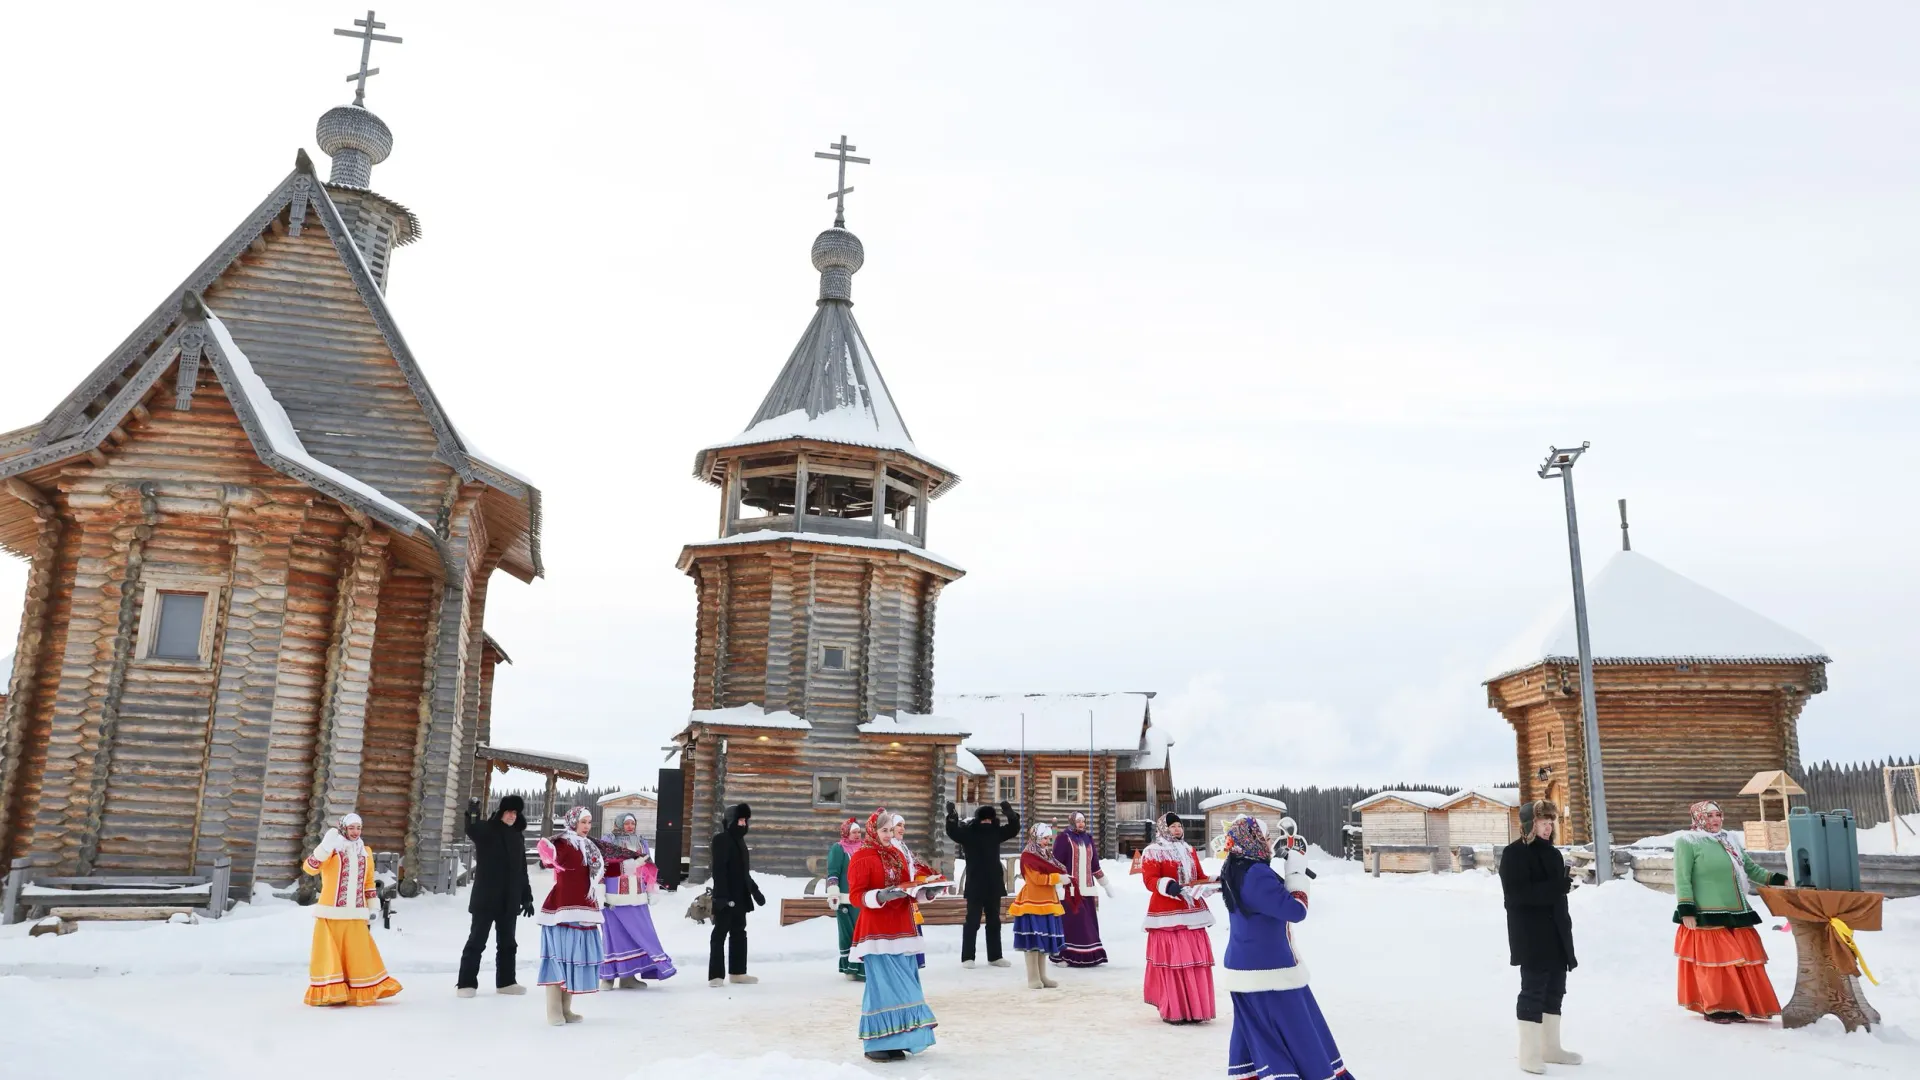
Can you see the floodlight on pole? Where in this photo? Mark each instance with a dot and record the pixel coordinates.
(1559, 464)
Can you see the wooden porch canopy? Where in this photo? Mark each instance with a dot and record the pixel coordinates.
(555, 767)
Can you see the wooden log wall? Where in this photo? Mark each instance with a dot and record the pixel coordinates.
(1037, 791)
(407, 601)
(347, 703)
(24, 687)
(1669, 735)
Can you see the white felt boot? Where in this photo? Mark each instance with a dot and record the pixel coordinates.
(566, 1007)
(1530, 1047)
(1551, 1051)
(1034, 960)
(556, 1011)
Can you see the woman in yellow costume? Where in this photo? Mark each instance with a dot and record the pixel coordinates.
(345, 968)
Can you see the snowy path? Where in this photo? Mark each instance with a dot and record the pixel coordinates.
(1411, 972)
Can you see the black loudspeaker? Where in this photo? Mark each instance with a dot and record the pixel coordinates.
(669, 830)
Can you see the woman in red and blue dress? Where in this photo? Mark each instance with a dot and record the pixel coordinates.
(894, 1018)
(571, 950)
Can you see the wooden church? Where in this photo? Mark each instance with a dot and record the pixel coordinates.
(260, 556)
(813, 663)
(1695, 694)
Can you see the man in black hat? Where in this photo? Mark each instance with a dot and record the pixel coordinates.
(734, 894)
(980, 841)
(501, 893)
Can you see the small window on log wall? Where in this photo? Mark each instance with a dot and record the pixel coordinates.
(1007, 787)
(177, 620)
(833, 658)
(829, 791)
(1066, 787)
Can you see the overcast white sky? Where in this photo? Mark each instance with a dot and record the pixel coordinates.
(1246, 324)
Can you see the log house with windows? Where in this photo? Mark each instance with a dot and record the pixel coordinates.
(1695, 695)
(260, 557)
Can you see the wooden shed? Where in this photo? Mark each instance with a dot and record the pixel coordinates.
(813, 658)
(260, 558)
(1393, 818)
(1223, 809)
(643, 805)
(1695, 695)
(1051, 755)
(1482, 817)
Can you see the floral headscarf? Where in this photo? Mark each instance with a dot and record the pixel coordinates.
(589, 849)
(1248, 837)
(898, 866)
(1040, 843)
(1699, 811)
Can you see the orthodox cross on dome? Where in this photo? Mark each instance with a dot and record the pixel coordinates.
(367, 38)
(841, 151)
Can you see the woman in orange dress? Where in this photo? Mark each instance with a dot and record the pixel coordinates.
(1723, 964)
(344, 967)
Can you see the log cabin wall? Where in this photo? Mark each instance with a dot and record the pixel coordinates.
(1670, 734)
(1037, 791)
(407, 602)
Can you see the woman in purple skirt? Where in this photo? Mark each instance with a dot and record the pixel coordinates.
(1074, 849)
(633, 951)
(1277, 1027)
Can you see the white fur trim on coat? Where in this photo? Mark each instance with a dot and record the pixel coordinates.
(624, 899)
(1242, 981)
(1198, 917)
(900, 946)
(584, 916)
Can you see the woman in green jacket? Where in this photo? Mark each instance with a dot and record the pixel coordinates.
(1723, 965)
(846, 911)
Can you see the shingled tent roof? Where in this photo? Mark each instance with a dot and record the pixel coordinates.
(1638, 611)
(183, 323)
(830, 390)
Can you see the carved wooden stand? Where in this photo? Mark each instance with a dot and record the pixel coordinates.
(1824, 984)
(1821, 986)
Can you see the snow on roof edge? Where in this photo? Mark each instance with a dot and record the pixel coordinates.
(768, 535)
(1241, 796)
(1431, 800)
(749, 716)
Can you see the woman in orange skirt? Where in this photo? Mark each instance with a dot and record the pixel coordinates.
(1723, 965)
(345, 966)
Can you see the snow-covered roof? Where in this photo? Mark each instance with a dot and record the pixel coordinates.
(1241, 796)
(282, 438)
(1432, 800)
(1641, 612)
(749, 716)
(1505, 796)
(913, 724)
(615, 796)
(1108, 723)
(562, 765)
(968, 763)
(761, 536)
(1155, 755)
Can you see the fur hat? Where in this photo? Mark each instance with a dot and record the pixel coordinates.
(514, 803)
(1171, 818)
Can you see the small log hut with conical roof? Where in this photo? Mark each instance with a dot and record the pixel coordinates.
(1695, 695)
(260, 561)
(813, 664)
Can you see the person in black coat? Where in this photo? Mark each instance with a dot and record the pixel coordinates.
(501, 893)
(734, 894)
(1535, 881)
(980, 841)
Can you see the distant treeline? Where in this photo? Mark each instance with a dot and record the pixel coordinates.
(1318, 811)
(565, 798)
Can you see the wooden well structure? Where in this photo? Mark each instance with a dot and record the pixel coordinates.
(813, 663)
(260, 557)
(1695, 695)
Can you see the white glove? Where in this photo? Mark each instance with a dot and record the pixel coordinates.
(1106, 887)
(1296, 863)
(833, 900)
(329, 844)
(1059, 892)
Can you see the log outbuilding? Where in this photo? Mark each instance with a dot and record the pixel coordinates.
(260, 557)
(1695, 694)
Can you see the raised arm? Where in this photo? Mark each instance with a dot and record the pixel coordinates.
(1261, 893)
(1012, 828)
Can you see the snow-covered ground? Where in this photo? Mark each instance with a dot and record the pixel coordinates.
(1411, 972)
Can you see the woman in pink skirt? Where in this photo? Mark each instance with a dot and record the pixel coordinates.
(1179, 954)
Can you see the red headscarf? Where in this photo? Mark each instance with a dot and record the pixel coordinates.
(890, 856)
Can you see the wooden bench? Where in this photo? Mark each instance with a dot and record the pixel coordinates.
(951, 911)
(1440, 860)
(28, 896)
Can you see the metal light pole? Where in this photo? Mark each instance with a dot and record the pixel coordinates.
(1560, 464)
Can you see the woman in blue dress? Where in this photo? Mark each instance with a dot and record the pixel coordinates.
(1278, 1031)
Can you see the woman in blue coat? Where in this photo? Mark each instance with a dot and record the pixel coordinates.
(1277, 1027)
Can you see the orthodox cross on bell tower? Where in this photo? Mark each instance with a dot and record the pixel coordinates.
(367, 38)
(841, 151)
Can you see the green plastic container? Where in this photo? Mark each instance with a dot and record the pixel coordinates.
(1823, 849)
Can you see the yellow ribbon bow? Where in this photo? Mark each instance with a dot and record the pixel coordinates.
(1845, 933)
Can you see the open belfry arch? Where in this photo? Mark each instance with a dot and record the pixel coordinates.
(813, 668)
(260, 557)
(1694, 693)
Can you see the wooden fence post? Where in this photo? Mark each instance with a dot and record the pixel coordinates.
(16, 880)
(222, 881)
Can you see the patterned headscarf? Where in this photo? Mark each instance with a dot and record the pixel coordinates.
(1163, 828)
(1040, 843)
(1700, 810)
(895, 861)
(1249, 838)
(589, 849)
(848, 843)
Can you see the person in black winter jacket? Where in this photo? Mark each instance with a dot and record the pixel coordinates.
(1535, 881)
(734, 894)
(980, 841)
(501, 893)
